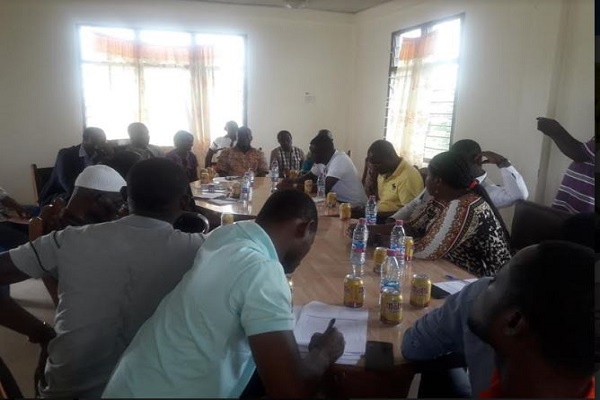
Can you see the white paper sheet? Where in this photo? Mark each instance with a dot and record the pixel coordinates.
(315, 316)
(207, 195)
(454, 286)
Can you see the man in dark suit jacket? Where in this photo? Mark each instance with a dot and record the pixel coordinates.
(70, 162)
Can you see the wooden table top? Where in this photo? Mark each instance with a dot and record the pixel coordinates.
(321, 274)
(262, 191)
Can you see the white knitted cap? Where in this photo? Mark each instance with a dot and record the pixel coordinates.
(102, 178)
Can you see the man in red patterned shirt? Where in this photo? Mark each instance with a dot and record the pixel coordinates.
(235, 161)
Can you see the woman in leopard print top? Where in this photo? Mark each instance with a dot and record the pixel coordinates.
(459, 222)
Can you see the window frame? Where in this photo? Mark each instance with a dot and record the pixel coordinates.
(426, 27)
(137, 30)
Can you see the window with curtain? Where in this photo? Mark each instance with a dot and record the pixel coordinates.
(422, 87)
(170, 81)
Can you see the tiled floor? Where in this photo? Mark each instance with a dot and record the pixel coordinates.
(18, 354)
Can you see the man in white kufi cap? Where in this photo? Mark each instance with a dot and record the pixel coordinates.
(111, 275)
(96, 198)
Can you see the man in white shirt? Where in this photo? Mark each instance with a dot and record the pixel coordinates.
(513, 186)
(112, 276)
(221, 143)
(341, 176)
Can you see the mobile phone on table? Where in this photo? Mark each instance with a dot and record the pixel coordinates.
(379, 356)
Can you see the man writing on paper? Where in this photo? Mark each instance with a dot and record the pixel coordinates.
(231, 314)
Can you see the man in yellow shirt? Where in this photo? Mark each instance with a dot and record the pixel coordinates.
(398, 182)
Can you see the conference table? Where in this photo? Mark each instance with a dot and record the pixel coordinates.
(320, 277)
(242, 210)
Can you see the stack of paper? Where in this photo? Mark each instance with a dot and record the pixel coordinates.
(352, 323)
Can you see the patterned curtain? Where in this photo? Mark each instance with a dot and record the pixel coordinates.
(202, 90)
(409, 97)
(171, 80)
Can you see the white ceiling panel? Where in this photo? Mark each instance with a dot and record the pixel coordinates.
(342, 6)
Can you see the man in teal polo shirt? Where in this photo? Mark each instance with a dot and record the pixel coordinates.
(231, 314)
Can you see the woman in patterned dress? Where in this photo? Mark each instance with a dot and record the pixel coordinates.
(459, 222)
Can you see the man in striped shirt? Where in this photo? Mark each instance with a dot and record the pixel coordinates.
(288, 157)
(576, 191)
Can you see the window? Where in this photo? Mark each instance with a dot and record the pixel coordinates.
(422, 87)
(168, 80)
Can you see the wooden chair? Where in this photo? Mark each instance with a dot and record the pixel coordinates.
(46, 222)
(533, 223)
(41, 176)
(192, 222)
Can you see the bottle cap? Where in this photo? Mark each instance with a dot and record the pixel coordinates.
(391, 252)
(399, 222)
(362, 221)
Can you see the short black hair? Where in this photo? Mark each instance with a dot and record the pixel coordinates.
(156, 184)
(470, 149)
(135, 128)
(555, 293)
(244, 131)
(453, 168)
(382, 148)
(326, 133)
(91, 131)
(281, 134)
(123, 161)
(323, 140)
(286, 205)
(182, 135)
(232, 124)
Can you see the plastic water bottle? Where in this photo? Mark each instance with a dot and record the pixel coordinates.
(274, 171)
(398, 240)
(359, 247)
(321, 186)
(274, 175)
(371, 211)
(246, 189)
(251, 176)
(390, 272)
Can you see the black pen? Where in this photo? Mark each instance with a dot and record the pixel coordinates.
(330, 324)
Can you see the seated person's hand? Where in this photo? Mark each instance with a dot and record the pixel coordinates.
(331, 343)
(14, 205)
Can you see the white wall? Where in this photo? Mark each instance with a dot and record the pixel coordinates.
(575, 91)
(506, 76)
(507, 69)
(289, 52)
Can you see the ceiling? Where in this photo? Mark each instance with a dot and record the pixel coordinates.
(343, 6)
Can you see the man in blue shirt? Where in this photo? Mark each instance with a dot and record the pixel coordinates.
(231, 314)
(445, 330)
